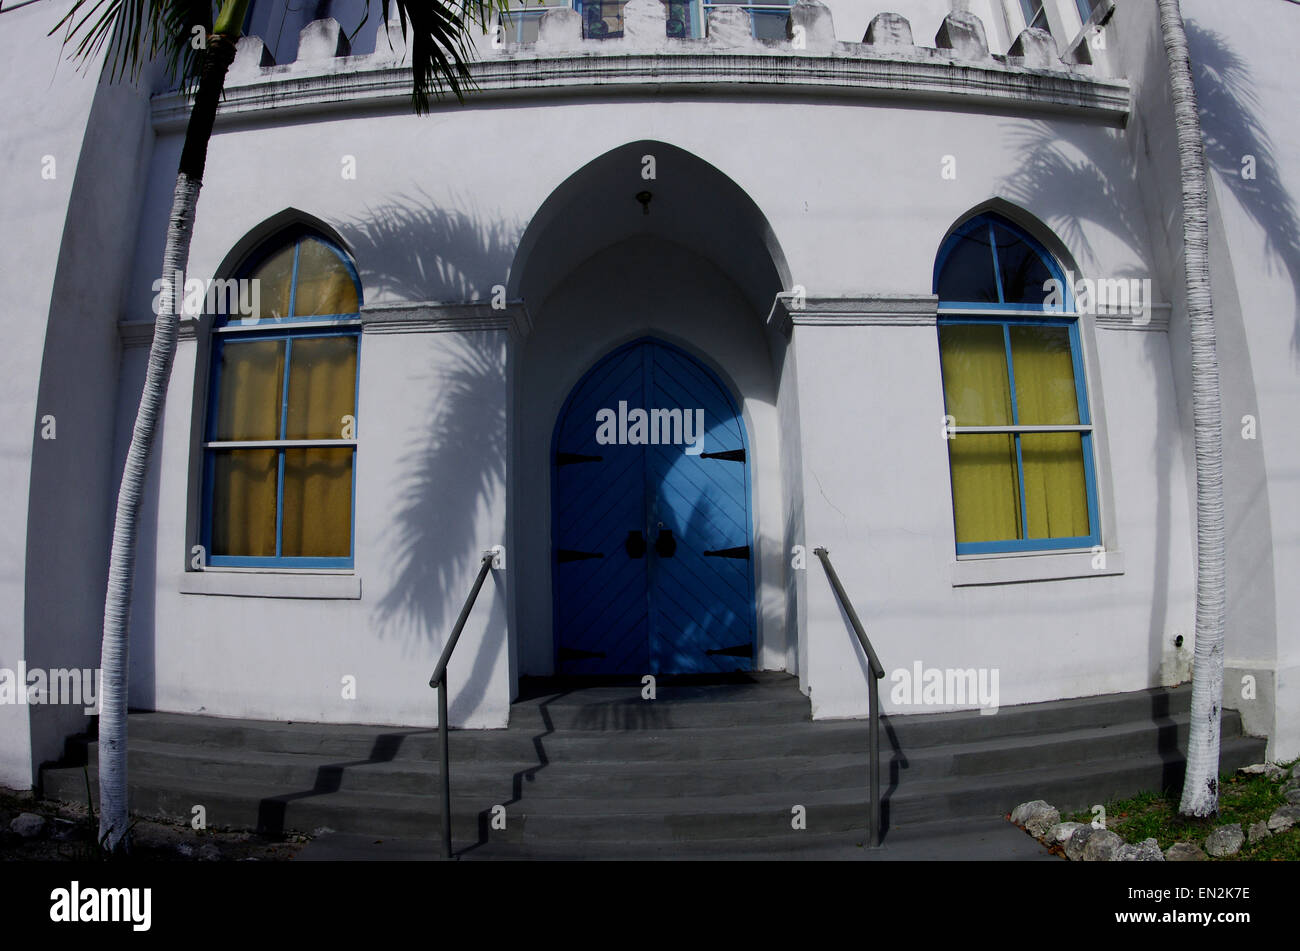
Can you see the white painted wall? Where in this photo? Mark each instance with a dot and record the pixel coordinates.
(844, 420)
(1246, 100)
(429, 499)
(865, 217)
(59, 360)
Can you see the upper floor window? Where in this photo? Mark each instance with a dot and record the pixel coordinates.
(1020, 433)
(685, 19)
(1087, 8)
(280, 440)
(1036, 14)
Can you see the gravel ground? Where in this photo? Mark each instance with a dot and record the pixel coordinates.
(70, 837)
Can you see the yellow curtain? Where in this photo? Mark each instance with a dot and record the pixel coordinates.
(1056, 492)
(322, 386)
(244, 481)
(986, 495)
(252, 382)
(318, 482)
(324, 285)
(274, 275)
(243, 502)
(317, 503)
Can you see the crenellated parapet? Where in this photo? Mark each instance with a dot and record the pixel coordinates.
(809, 31)
(808, 58)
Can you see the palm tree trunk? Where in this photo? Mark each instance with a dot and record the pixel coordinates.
(114, 669)
(1201, 786)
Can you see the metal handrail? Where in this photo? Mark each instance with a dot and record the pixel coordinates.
(439, 680)
(873, 688)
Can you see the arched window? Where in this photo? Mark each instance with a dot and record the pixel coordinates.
(280, 437)
(1019, 430)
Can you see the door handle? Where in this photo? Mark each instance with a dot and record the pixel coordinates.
(635, 545)
(665, 544)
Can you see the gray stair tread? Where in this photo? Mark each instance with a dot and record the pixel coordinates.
(701, 772)
(753, 744)
(654, 806)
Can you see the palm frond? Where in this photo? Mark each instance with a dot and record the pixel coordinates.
(438, 39)
(136, 32)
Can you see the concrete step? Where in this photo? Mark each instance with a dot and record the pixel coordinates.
(625, 818)
(550, 773)
(597, 771)
(351, 742)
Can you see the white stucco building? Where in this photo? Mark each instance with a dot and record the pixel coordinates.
(832, 239)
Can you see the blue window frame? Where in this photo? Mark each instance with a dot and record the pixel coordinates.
(1087, 8)
(279, 450)
(767, 20)
(1019, 430)
(603, 19)
(1035, 14)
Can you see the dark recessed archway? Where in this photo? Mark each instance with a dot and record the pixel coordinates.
(691, 203)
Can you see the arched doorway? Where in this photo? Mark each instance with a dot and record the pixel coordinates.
(652, 533)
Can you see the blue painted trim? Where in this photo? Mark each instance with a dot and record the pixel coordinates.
(1085, 419)
(279, 330)
(233, 561)
(990, 219)
(293, 281)
(356, 423)
(1015, 421)
(296, 234)
(1025, 545)
(997, 268)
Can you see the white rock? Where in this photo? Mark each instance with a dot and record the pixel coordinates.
(1283, 818)
(1103, 846)
(1185, 852)
(28, 825)
(1148, 850)
(1060, 833)
(1078, 842)
(1225, 841)
(1270, 771)
(1038, 817)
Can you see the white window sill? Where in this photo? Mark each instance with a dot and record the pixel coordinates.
(253, 583)
(1040, 566)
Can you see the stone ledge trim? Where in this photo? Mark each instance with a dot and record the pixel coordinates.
(270, 583)
(443, 317)
(139, 333)
(873, 310)
(1046, 566)
(1159, 322)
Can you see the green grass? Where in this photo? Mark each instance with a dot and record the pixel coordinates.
(1243, 799)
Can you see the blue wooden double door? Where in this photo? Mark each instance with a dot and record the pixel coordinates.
(652, 545)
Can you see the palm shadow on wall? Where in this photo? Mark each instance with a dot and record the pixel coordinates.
(410, 249)
(1233, 130)
(1058, 176)
(1061, 177)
